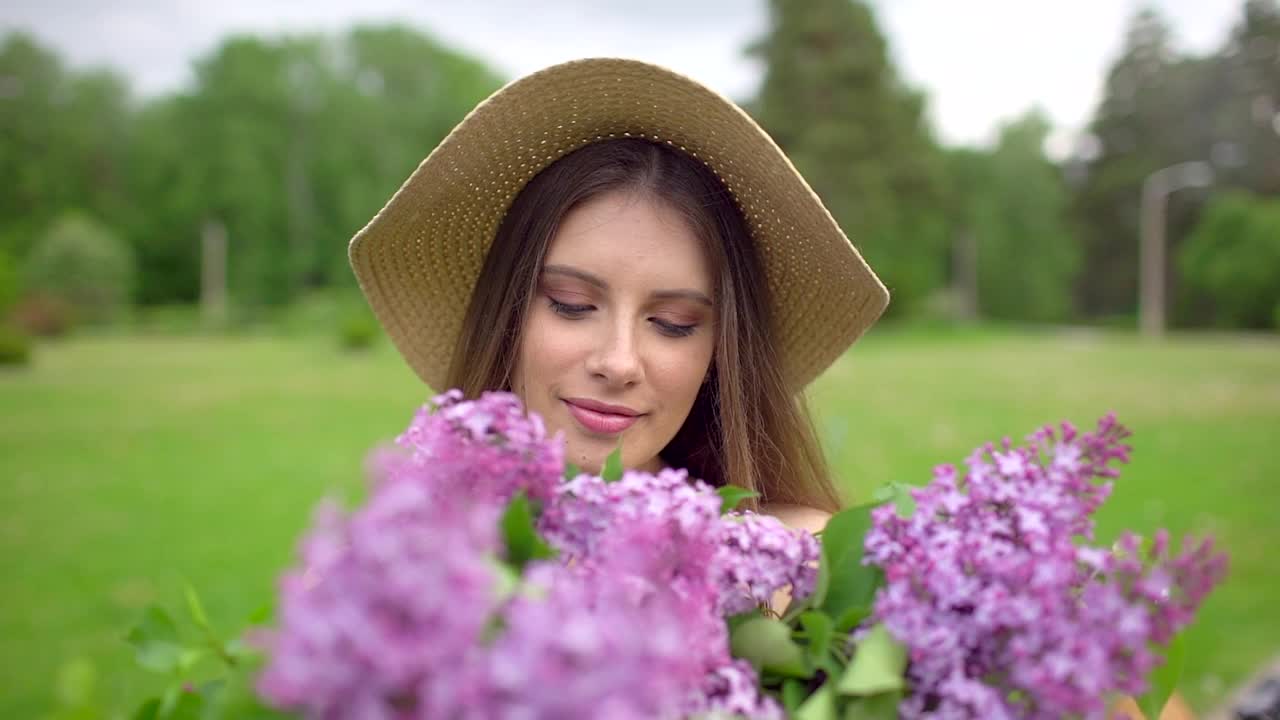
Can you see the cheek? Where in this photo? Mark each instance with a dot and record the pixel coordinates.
(546, 352)
(678, 373)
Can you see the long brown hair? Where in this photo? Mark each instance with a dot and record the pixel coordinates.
(746, 427)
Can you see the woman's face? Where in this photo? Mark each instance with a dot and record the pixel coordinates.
(621, 331)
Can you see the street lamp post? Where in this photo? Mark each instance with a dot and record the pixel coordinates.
(1151, 249)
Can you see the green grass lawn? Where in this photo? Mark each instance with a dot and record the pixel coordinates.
(127, 464)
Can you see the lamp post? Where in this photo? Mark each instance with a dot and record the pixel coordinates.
(1151, 249)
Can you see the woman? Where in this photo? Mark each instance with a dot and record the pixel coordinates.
(630, 254)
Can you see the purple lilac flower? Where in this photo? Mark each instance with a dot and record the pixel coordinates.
(1002, 613)
(733, 691)
(388, 605)
(481, 450)
(758, 556)
(366, 619)
(745, 556)
(583, 643)
(402, 609)
(662, 540)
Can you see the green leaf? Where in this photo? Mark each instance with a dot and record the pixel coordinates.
(155, 641)
(188, 658)
(820, 706)
(818, 625)
(196, 608)
(852, 618)
(149, 710)
(571, 471)
(519, 535)
(169, 700)
(733, 621)
(900, 495)
(613, 466)
(877, 666)
(1164, 678)
(262, 613)
(731, 496)
(185, 705)
(883, 706)
(214, 693)
(792, 695)
(237, 700)
(766, 643)
(506, 579)
(236, 650)
(851, 583)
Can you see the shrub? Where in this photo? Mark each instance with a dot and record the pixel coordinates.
(168, 319)
(329, 312)
(9, 286)
(357, 330)
(83, 262)
(15, 347)
(1233, 259)
(315, 312)
(44, 314)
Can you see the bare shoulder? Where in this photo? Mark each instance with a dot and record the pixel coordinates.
(798, 516)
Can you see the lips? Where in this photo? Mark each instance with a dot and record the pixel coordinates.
(601, 418)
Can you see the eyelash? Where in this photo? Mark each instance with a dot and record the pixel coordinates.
(575, 312)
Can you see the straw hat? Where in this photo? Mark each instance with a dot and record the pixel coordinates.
(417, 261)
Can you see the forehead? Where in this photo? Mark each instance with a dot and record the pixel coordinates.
(633, 240)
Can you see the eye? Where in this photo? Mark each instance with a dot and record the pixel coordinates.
(672, 329)
(567, 310)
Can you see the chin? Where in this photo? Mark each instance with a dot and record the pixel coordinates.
(587, 455)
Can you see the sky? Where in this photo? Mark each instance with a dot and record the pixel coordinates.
(982, 62)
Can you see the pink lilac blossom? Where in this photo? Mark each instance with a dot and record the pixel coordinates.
(365, 622)
(403, 610)
(480, 450)
(745, 556)
(732, 691)
(1004, 615)
(387, 605)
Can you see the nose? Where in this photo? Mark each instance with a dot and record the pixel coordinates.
(616, 358)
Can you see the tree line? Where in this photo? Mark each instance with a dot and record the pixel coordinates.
(291, 143)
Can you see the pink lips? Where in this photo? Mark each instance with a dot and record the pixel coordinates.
(600, 417)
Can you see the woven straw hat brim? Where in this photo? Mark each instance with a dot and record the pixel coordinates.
(418, 260)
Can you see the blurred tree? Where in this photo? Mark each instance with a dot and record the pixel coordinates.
(968, 173)
(1161, 109)
(1245, 111)
(245, 123)
(165, 182)
(833, 101)
(1137, 127)
(82, 262)
(1233, 257)
(293, 144)
(401, 92)
(1012, 203)
(10, 287)
(61, 142)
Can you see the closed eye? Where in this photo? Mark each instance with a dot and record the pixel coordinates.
(570, 311)
(672, 329)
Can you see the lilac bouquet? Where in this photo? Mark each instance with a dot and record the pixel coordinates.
(477, 583)
(482, 580)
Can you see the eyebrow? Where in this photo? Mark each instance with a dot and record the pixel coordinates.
(686, 294)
